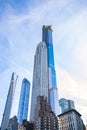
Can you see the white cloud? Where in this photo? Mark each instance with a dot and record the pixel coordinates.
(72, 55)
(69, 88)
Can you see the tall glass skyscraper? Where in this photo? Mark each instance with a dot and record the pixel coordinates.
(40, 76)
(44, 75)
(24, 101)
(52, 84)
(7, 110)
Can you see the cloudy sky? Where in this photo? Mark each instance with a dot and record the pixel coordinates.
(21, 24)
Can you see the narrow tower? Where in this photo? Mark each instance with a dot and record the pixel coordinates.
(40, 76)
(7, 110)
(53, 92)
(24, 101)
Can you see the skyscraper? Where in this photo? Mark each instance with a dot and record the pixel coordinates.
(44, 75)
(66, 105)
(24, 101)
(7, 110)
(40, 76)
(52, 84)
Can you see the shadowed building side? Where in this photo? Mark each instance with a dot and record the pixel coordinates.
(12, 124)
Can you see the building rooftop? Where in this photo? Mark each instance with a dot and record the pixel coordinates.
(68, 111)
(48, 27)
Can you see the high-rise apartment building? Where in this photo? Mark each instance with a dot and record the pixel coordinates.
(40, 76)
(7, 110)
(52, 84)
(44, 119)
(24, 101)
(66, 105)
(44, 75)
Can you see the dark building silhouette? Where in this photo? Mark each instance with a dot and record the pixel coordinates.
(44, 119)
(26, 125)
(13, 124)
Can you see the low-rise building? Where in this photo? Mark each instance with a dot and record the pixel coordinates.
(70, 120)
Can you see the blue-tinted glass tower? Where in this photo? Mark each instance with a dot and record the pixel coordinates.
(66, 105)
(52, 84)
(24, 101)
(8, 106)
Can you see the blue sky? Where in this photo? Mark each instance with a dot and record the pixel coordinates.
(21, 24)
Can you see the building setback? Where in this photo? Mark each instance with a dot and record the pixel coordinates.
(70, 120)
(44, 119)
(7, 110)
(24, 101)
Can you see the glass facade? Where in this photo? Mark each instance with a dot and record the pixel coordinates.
(7, 110)
(44, 74)
(53, 92)
(24, 101)
(66, 105)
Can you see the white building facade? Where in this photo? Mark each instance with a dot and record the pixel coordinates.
(40, 76)
(70, 120)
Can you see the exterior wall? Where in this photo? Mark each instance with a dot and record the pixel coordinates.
(40, 76)
(12, 125)
(66, 105)
(44, 119)
(70, 121)
(44, 75)
(7, 110)
(53, 92)
(24, 101)
(71, 104)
